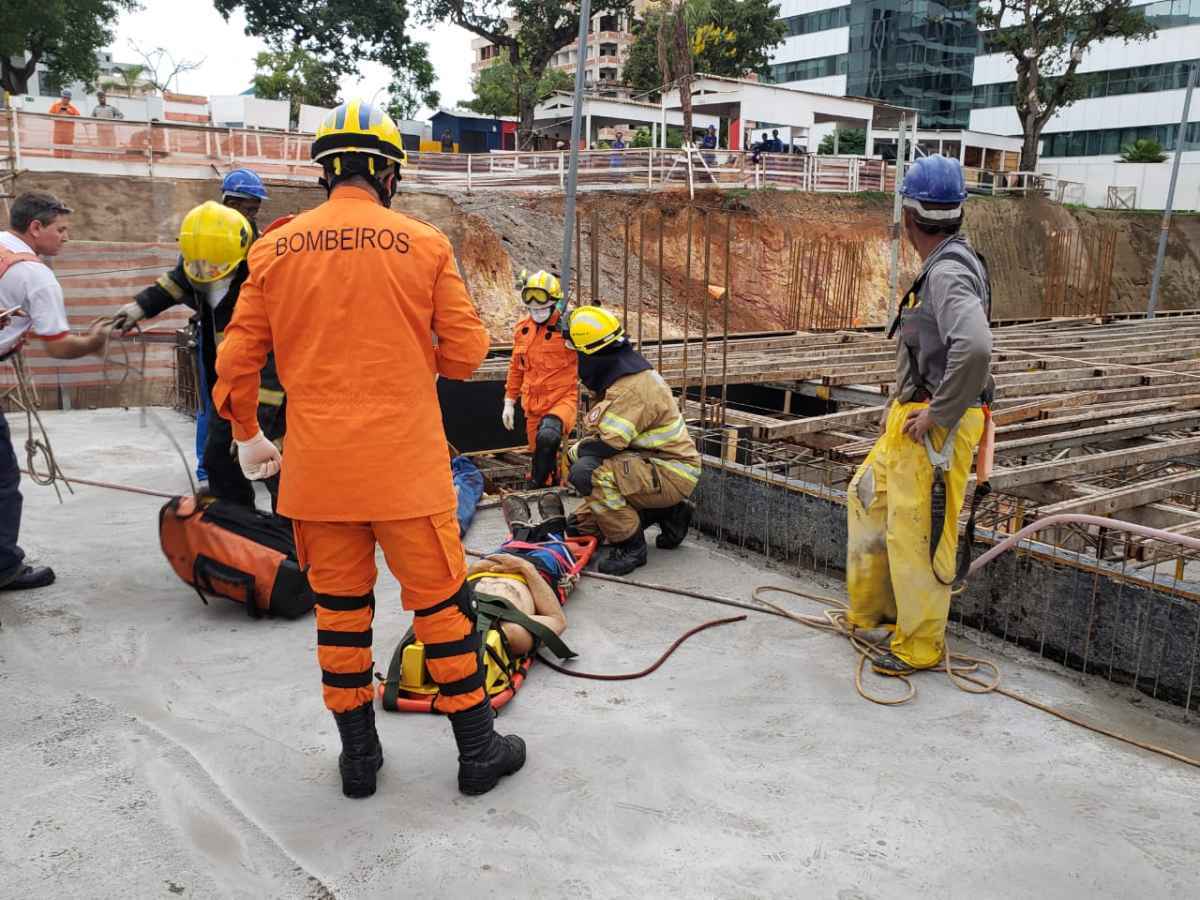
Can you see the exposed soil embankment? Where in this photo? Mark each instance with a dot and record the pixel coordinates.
(498, 234)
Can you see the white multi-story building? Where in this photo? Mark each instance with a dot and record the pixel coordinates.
(608, 43)
(1136, 91)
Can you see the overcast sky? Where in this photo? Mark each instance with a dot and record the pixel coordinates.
(228, 52)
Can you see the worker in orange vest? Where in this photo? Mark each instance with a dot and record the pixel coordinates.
(351, 296)
(64, 131)
(543, 375)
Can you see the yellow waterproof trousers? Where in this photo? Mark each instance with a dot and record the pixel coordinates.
(888, 571)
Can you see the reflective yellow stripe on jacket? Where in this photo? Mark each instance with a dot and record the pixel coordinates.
(657, 437)
(686, 471)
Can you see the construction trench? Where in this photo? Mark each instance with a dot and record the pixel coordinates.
(768, 323)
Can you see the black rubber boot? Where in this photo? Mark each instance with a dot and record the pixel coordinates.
(517, 516)
(28, 578)
(483, 756)
(362, 754)
(673, 524)
(554, 515)
(626, 556)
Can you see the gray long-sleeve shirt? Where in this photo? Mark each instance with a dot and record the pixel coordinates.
(947, 333)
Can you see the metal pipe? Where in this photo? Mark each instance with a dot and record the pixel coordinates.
(585, 16)
(894, 270)
(1166, 222)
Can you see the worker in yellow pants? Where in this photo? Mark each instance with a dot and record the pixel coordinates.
(933, 423)
(890, 527)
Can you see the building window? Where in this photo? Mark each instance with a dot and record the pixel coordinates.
(609, 23)
(822, 20)
(1109, 141)
(804, 69)
(1110, 83)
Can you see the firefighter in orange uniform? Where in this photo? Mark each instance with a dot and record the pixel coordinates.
(544, 374)
(350, 296)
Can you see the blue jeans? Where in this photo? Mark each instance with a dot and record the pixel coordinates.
(12, 557)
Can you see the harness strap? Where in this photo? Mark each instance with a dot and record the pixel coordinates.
(493, 610)
(941, 461)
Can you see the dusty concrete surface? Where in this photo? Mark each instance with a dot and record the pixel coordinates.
(154, 746)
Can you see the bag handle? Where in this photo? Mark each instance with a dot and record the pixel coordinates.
(206, 572)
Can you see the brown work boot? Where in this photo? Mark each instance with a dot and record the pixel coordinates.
(517, 516)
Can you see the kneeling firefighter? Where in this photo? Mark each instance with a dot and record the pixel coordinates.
(543, 374)
(905, 499)
(351, 295)
(637, 464)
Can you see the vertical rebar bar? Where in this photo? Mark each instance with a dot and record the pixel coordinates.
(704, 308)
(687, 310)
(727, 300)
(579, 258)
(625, 278)
(595, 229)
(661, 228)
(641, 272)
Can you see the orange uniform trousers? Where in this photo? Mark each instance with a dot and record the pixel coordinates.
(426, 556)
(566, 408)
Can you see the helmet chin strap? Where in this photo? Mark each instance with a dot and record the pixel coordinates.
(329, 182)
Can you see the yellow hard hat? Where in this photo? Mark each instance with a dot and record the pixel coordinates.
(592, 328)
(541, 287)
(213, 239)
(358, 127)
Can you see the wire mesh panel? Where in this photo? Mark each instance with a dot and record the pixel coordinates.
(824, 282)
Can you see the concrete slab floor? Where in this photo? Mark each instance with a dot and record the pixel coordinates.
(154, 746)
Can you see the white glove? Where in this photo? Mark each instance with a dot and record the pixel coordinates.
(509, 416)
(258, 457)
(129, 315)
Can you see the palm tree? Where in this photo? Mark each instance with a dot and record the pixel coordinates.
(127, 78)
(1143, 150)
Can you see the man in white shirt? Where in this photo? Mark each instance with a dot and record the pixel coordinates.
(38, 227)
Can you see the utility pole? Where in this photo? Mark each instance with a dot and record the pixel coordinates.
(585, 16)
(897, 206)
(1166, 222)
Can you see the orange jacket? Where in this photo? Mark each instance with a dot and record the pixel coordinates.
(544, 371)
(62, 108)
(350, 296)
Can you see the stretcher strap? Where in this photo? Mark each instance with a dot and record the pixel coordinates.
(493, 610)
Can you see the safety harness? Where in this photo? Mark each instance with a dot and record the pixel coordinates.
(941, 460)
(8, 259)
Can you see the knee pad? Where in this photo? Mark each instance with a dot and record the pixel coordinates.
(581, 473)
(549, 433)
(463, 598)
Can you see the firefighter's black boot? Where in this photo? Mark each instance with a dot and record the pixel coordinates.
(626, 556)
(483, 756)
(362, 754)
(673, 524)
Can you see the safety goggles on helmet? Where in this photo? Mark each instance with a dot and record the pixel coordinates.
(213, 239)
(535, 296)
(540, 287)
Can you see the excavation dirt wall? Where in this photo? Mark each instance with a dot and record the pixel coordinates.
(498, 234)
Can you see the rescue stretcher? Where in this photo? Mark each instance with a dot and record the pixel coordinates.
(408, 687)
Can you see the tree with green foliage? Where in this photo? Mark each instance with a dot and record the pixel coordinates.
(64, 34)
(126, 78)
(850, 142)
(542, 28)
(1143, 150)
(500, 89)
(675, 61)
(287, 72)
(729, 38)
(1047, 40)
(343, 34)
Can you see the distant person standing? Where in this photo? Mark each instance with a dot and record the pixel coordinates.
(64, 131)
(619, 145)
(103, 110)
(447, 141)
(106, 134)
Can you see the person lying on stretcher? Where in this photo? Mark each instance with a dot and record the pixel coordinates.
(531, 570)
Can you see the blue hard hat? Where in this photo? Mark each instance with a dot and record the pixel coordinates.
(243, 183)
(935, 179)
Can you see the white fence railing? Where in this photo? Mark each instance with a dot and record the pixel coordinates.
(177, 149)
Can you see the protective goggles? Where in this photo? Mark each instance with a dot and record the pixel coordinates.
(535, 296)
(203, 271)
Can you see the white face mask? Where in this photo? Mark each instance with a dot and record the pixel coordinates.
(541, 314)
(217, 291)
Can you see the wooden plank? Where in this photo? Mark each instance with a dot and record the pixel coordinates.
(1004, 478)
(1130, 497)
(1101, 434)
(813, 424)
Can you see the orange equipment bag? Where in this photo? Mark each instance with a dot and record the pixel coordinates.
(228, 550)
